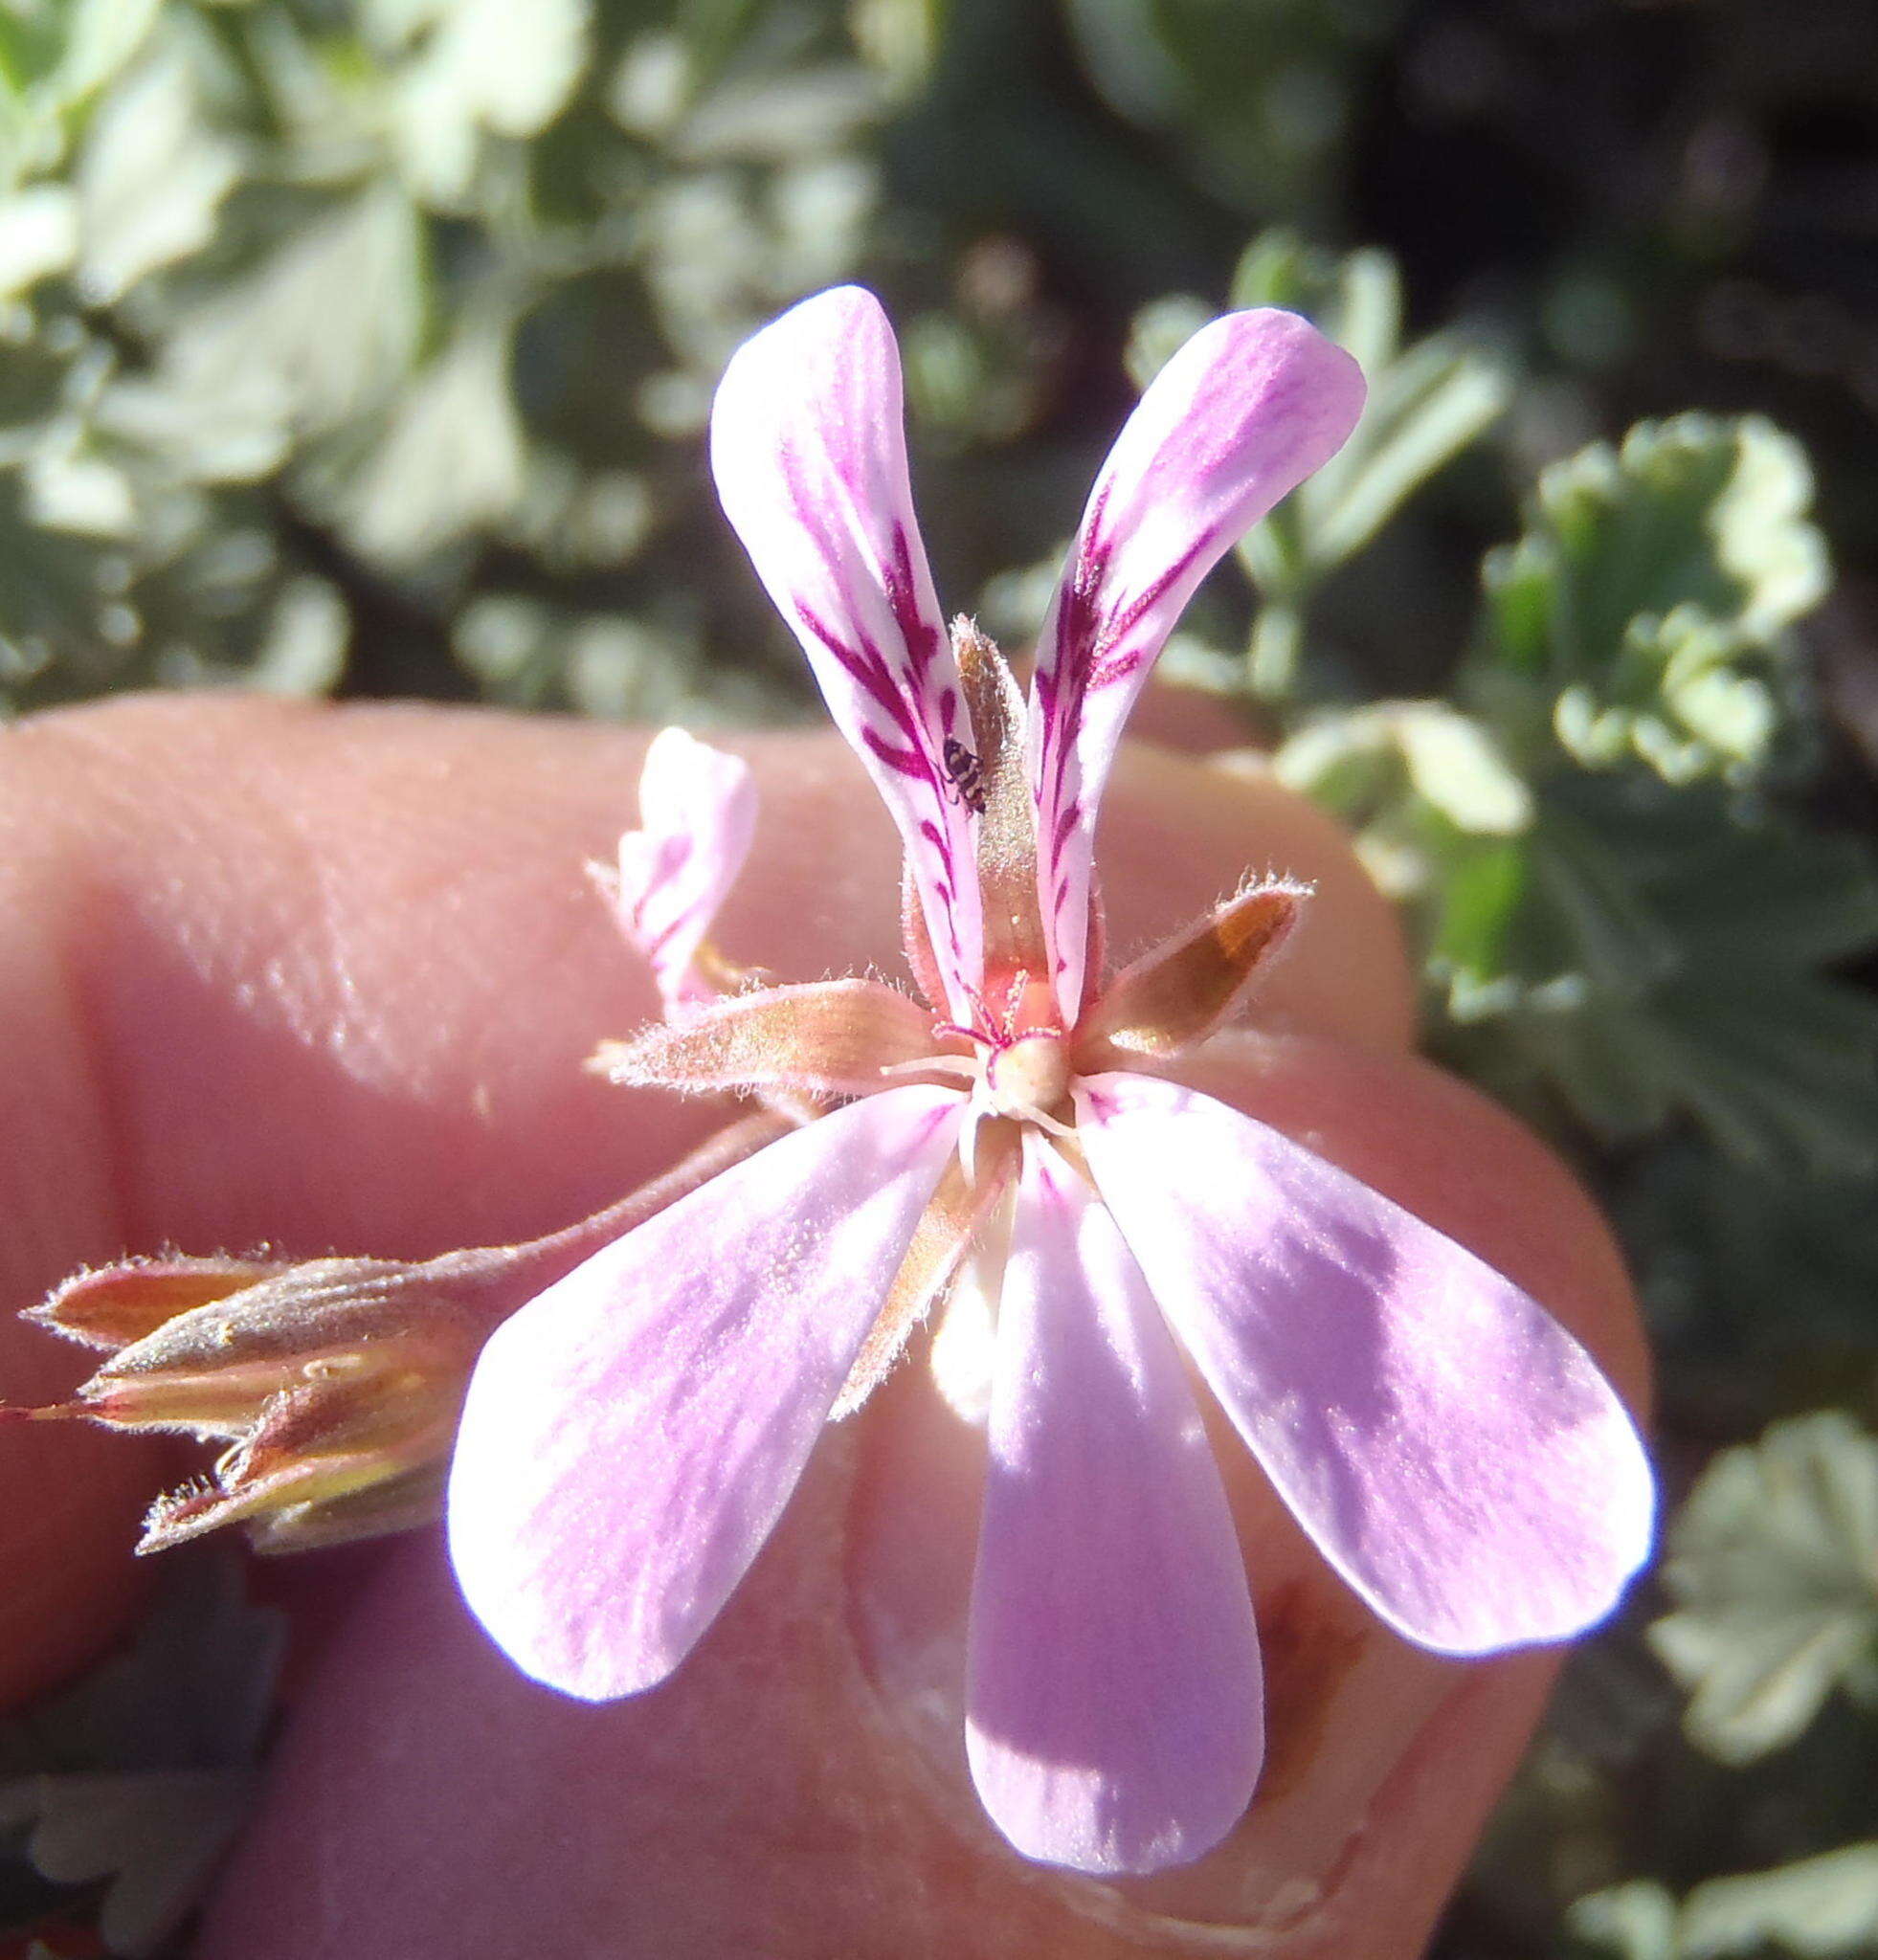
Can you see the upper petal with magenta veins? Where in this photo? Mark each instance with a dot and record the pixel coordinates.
(1242, 414)
(809, 450)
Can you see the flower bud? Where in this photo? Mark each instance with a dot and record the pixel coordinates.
(336, 1384)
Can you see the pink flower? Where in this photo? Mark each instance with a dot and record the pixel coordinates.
(633, 1435)
(697, 813)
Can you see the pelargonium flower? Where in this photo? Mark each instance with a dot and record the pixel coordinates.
(697, 814)
(633, 1435)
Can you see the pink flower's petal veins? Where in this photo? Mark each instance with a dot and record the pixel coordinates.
(697, 815)
(1114, 1704)
(809, 449)
(1454, 1452)
(631, 1435)
(1242, 413)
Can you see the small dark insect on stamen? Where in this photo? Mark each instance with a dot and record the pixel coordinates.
(965, 774)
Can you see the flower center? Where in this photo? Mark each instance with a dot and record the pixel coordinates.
(1028, 1077)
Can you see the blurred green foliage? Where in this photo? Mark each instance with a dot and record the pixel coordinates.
(389, 331)
(365, 347)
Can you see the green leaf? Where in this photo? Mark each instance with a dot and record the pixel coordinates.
(1663, 961)
(141, 1773)
(1278, 269)
(151, 177)
(1455, 765)
(1427, 404)
(1773, 1565)
(1641, 617)
(155, 1837)
(316, 337)
(1251, 98)
(50, 602)
(100, 38)
(1821, 1907)
(1635, 1921)
(38, 235)
(1715, 1245)
(1423, 409)
(1158, 332)
(478, 66)
(453, 457)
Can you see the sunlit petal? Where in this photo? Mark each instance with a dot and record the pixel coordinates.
(1455, 1454)
(809, 449)
(1242, 413)
(634, 1433)
(1114, 1704)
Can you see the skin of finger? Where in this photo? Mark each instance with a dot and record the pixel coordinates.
(780, 1794)
(287, 912)
(72, 1496)
(323, 979)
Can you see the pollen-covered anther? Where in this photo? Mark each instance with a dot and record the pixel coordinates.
(1029, 1077)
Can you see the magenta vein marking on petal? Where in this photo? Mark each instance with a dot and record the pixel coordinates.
(941, 844)
(866, 666)
(869, 666)
(1122, 623)
(871, 671)
(902, 761)
(656, 943)
(1095, 525)
(920, 636)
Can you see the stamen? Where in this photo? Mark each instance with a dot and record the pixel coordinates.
(1030, 1113)
(935, 1064)
(965, 1033)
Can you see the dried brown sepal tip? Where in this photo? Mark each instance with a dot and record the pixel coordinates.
(111, 1306)
(1197, 982)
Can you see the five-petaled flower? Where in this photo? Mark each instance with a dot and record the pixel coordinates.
(633, 1435)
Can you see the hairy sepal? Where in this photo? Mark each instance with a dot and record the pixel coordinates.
(836, 1037)
(116, 1306)
(1197, 982)
(1006, 837)
(329, 1439)
(947, 1230)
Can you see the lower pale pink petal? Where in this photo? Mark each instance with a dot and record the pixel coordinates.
(1242, 413)
(1114, 1703)
(697, 813)
(1454, 1452)
(633, 1434)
